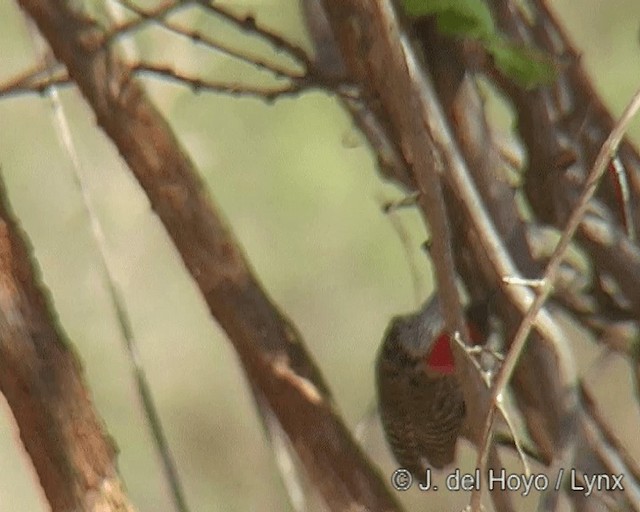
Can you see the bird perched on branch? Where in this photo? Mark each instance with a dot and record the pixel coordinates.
(420, 400)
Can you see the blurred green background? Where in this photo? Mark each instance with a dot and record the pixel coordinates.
(299, 187)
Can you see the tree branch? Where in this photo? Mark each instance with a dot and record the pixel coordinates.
(43, 383)
(271, 351)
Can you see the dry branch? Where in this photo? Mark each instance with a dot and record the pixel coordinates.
(563, 126)
(381, 60)
(539, 392)
(42, 381)
(431, 137)
(270, 349)
(369, 34)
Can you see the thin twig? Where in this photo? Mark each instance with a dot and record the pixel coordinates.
(405, 202)
(117, 300)
(35, 81)
(613, 456)
(118, 303)
(272, 352)
(203, 39)
(431, 116)
(500, 258)
(157, 14)
(470, 351)
(390, 209)
(283, 453)
(607, 151)
(197, 84)
(248, 23)
(523, 281)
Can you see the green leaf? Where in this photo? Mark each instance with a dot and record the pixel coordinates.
(527, 66)
(469, 18)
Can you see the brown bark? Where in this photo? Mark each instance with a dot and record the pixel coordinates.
(42, 381)
(544, 381)
(371, 51)
(271, 351)
(437, 142)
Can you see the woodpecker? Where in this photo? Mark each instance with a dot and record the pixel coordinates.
(420, 401)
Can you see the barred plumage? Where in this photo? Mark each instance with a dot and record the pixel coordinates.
(421, 411)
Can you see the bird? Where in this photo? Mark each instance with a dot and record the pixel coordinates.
(420, 401)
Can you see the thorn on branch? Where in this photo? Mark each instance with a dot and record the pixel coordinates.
(198, 84)
(406, 201)
(33, 82)
(472, 353)
(248, 23)
(159, 17)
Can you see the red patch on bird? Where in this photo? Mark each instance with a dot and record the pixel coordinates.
(440, 359)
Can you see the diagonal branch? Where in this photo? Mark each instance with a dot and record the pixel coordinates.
(249, 24)
(563, 126)
(35, 80)
(208, 42)
(198, 85)
(551, 272)
(42, 381)
(272, 352)
(538, 389)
